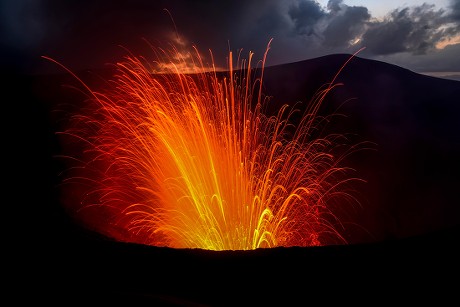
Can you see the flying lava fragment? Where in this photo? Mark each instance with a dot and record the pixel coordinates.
(193, 160)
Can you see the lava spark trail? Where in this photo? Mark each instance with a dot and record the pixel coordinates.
(190, 160)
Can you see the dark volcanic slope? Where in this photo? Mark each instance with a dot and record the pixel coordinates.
(408, 221)
(413, 119)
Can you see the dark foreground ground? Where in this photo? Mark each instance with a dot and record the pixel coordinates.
(88, 271)
(410, 208)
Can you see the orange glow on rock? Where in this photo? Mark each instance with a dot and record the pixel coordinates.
(192, 161)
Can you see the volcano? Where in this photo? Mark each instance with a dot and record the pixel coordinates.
(404, 232)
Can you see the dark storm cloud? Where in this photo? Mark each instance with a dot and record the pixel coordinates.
(335, 26)
(455, 10)
(416, 30)
(339, 27)
(88, 33)
(345, 23)
(306, 15)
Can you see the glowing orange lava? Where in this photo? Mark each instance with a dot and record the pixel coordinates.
(191, 161)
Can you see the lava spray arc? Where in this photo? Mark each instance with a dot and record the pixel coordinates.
(191, 160)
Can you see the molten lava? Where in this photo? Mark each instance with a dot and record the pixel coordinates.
(191, 160)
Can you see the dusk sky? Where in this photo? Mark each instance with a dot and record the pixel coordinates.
(423, 36)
